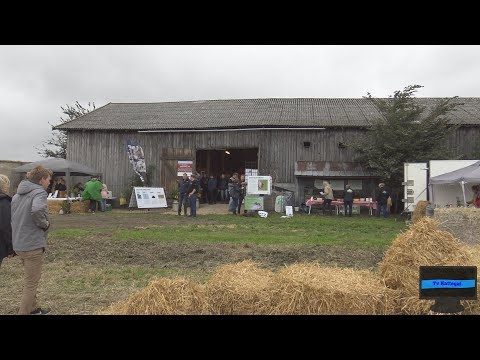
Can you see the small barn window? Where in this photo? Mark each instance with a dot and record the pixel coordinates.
(306, 144)
(342, 145)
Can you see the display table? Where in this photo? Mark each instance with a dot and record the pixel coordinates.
(371, 205)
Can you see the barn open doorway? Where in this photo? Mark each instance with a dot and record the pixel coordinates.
(228, 161)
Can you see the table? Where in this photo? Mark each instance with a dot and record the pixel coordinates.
(339, 203)
(65, 198)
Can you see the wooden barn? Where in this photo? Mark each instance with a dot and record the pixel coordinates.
(299, 141)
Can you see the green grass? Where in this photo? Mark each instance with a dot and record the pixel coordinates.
(356, 231)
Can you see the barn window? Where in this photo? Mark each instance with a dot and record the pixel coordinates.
(306, 144)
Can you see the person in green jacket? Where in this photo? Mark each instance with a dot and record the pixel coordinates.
(93, 192)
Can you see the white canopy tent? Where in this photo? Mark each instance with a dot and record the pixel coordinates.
(467, 175)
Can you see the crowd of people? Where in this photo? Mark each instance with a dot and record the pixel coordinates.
(211, 189)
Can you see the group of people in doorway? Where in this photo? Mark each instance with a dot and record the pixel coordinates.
(231, 190)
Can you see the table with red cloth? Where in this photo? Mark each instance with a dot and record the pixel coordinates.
(371, 205)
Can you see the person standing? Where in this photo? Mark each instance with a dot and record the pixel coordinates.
(92, 192)
(328, 197)
(222, 187)
(381, 197)
(6, 249)
(104, 194)
(212, 190)
(193, 195)
(234, 191)
(243, 191)
(183, 185)
(348, 200)
(30, 226)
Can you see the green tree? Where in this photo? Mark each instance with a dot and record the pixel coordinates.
(59, 137)
(405, 132)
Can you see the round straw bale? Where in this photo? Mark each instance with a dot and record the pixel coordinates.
(241, 288)
(461, 222)
(473, 306)
(422, 244)
(419, 211)
(303, 289)
(163, 296)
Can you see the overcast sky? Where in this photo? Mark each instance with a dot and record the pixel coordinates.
(35, 81)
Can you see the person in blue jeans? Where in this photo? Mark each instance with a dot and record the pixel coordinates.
(193, 195)
(183, 185)
(381, 196)
(348, 200)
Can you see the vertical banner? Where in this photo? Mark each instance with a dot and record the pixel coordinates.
(137, 159)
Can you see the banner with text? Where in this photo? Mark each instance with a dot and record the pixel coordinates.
(184, 166)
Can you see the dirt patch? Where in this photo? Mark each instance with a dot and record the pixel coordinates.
(188, 256)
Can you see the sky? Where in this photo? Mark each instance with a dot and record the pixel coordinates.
(36, 81)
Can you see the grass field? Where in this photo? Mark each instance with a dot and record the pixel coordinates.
(93, 260)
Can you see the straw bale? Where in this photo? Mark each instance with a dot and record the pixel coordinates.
(241, 288)
(461, 222)
(54, 207)
(420, 209)
(309, 288)
(163, 296)
(422, 244)
(79, 207)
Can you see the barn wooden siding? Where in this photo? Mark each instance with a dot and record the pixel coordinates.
(278, 149)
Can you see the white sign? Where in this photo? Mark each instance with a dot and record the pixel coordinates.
(289, 210)
(148, 198)
(259, 185)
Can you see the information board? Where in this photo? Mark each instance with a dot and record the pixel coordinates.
(148, 197)
(257, 185)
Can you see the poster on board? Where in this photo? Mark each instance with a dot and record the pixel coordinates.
(149, 197)
(259, 185)
(253, 202)
(184, 166)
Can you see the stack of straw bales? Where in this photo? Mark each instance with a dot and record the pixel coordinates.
(163, 296)
(54, 207)
(473, 306)
(461, 222)
(237, 289)
(79, 207)
(420, 210)
(423, 244)
(304, 289)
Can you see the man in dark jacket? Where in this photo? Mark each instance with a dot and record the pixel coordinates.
(381, 197)
(212, 190)
(6, 249)
(183, 185)
(348, 200)
(192, 194)
(222, 188)
(29, 233)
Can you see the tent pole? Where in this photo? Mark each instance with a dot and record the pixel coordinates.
(464, 198)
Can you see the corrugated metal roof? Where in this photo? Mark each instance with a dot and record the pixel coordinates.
(330, 169)
(245, 113)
